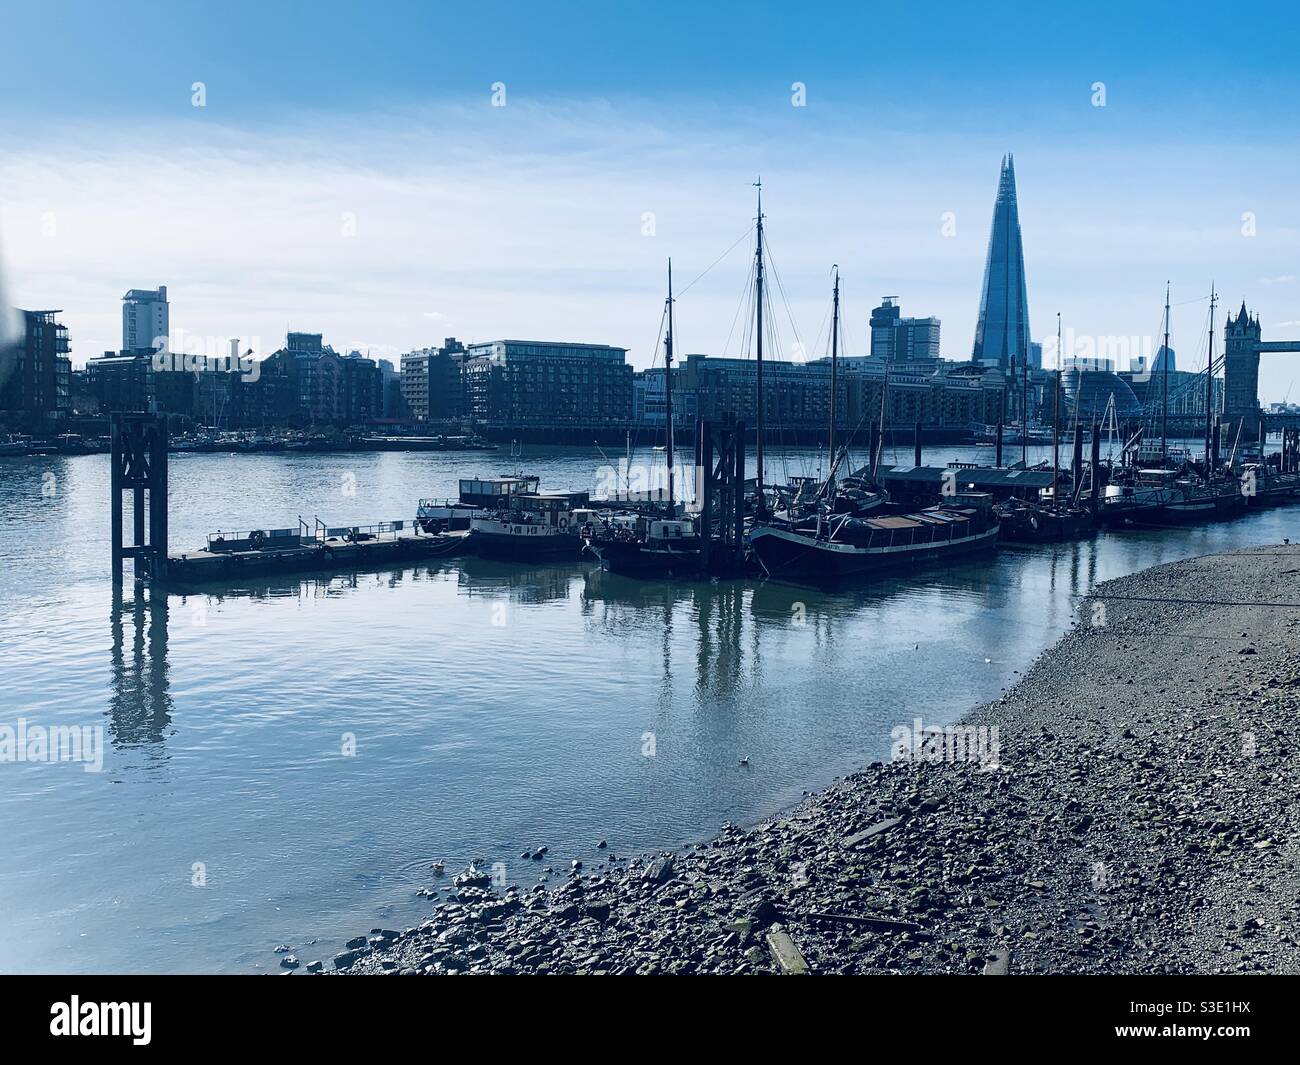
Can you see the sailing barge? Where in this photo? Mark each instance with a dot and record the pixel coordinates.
(659, 544)
(848, 546)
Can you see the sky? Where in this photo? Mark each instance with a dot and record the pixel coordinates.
(351, 170)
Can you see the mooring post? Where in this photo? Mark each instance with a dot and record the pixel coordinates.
(704, 487)
(138, 459)
(115, 503)
(916, 446)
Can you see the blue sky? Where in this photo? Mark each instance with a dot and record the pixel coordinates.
(529, 220)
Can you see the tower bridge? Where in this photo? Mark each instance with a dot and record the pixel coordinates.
(1243, 345)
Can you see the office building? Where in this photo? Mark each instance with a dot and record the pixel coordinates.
(530, 384)
(145, 318)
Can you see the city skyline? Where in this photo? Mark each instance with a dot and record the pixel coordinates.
(413, 212)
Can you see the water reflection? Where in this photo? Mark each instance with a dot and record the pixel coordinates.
(140, 704)
(525, 584)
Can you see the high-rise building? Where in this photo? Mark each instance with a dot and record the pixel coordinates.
(1002, 337)
(884, 322)
(431, 382)
(144, 318)
(36, 373)
(895, 338)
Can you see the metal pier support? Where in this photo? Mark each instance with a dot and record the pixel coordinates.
(138, 458)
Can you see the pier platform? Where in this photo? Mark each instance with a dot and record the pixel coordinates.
(276, 552)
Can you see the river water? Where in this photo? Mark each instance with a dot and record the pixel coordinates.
(283, 761)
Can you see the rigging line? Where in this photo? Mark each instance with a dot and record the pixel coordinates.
(716, 261)
(771, 263)
(794, 327)
(742, 305)
(654, 359)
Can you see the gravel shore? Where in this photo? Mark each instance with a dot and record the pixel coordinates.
(1128, 807)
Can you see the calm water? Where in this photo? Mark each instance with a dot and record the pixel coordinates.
(493, 707)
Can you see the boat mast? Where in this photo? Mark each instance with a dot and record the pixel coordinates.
(1024, 409)
(1209, 385)
(880, 438)
(758, 334)
(668, 387)
(835, 352)
(1056, 413)
(1164, 401)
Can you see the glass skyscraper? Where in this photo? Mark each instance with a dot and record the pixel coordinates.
(1002, 336)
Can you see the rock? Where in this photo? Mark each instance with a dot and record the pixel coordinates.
(660, 871)
(356, 944)
(764, 913)
(598, 910)
(473, 877)
(345, 958)
(314, 967)
(784, 953)
(288, 962)
(874, 830)
(998, 963)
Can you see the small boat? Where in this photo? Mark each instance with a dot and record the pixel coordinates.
(485, 495)
(648, 546)
(1158, 502)
(537, 527)
(1043, 523)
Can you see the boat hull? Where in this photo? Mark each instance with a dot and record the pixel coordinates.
(1047, 528)
(528, 544)
(1191, 511)
(792, 555)
(636, 558)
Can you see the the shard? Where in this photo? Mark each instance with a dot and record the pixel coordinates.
(1002, 335)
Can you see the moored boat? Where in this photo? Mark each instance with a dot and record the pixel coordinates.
(539, 526)
(847, 546)
(478, 495)
(649, 546)
(1043, 523)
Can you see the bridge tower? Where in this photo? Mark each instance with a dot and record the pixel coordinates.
(1241, 346)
